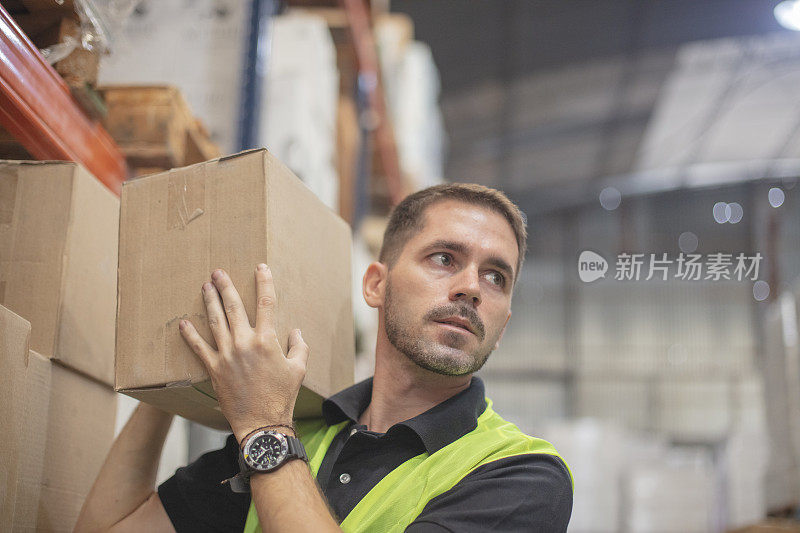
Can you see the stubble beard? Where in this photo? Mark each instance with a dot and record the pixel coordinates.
(445, 358)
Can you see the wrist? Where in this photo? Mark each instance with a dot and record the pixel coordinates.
(287, 428)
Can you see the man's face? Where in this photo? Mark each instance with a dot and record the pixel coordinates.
(448, 295)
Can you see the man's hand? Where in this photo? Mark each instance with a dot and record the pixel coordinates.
(256, 384)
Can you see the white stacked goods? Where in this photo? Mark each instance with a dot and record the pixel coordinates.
(419, 126)
(745, 463)
(411, 82)
(536, 339)
(528, 404)
(623, 401)
(298, 111)
(595, 452)
(694, 410)
(670, 496)
(782, 483)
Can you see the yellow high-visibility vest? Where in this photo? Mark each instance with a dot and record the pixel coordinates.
(397, 499)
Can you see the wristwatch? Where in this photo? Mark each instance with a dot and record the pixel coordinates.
(264, 451)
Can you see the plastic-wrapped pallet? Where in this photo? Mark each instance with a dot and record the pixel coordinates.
(694, 410)
(622, 401)
(528, 404)
(298, 115)
(745, 462)
(673, 495)
(411, 82)
(594, 451)
(782, 485)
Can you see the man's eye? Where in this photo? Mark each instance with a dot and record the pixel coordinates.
(496, 278)
(442, 259)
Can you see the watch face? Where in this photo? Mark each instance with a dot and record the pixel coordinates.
(265, 450)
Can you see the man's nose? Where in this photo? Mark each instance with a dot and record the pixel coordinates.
(466, 286)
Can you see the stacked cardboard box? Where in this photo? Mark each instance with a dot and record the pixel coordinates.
(58, 247)
(58, 426)
(231, 213)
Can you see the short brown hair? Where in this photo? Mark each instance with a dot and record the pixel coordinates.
(408, 217)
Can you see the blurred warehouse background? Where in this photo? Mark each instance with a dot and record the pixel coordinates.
(637, 130)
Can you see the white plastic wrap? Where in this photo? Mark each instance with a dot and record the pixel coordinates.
(411, 85)
(298, 112)
(595, 452)
(676, 494)
(100, 22)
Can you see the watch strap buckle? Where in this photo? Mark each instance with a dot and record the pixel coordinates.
(240, 483)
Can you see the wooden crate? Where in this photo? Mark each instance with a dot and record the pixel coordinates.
(155, 128)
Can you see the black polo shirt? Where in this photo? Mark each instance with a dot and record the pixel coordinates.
(530, 492)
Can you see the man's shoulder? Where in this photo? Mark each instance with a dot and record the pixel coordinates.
(528, 491)
(537, 467)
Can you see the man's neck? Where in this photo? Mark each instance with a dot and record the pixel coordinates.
(403, 390)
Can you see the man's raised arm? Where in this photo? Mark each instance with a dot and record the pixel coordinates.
(123, 496)
(257, 385)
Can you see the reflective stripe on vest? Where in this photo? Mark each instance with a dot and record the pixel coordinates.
(397, 499)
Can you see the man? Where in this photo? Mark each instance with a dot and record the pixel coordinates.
(416, 448)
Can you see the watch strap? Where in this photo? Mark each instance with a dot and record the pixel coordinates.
(296, 448)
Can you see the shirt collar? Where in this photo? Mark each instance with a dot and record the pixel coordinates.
(437, 427)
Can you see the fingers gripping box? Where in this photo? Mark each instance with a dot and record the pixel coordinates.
(232, 213)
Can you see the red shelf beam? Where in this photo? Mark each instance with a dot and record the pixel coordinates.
(37, 108)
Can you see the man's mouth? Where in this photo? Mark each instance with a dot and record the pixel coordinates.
(457, 322)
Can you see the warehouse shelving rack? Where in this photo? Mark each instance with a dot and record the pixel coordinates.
(36, 107)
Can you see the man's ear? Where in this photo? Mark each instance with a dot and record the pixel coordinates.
(503, 331)
(373, 285)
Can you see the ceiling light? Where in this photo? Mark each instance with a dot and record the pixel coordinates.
(787, 13)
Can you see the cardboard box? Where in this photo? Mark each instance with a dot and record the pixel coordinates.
(58, 249)
(231, 213)
(80, 430)
(15, 334)
(57, 429)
